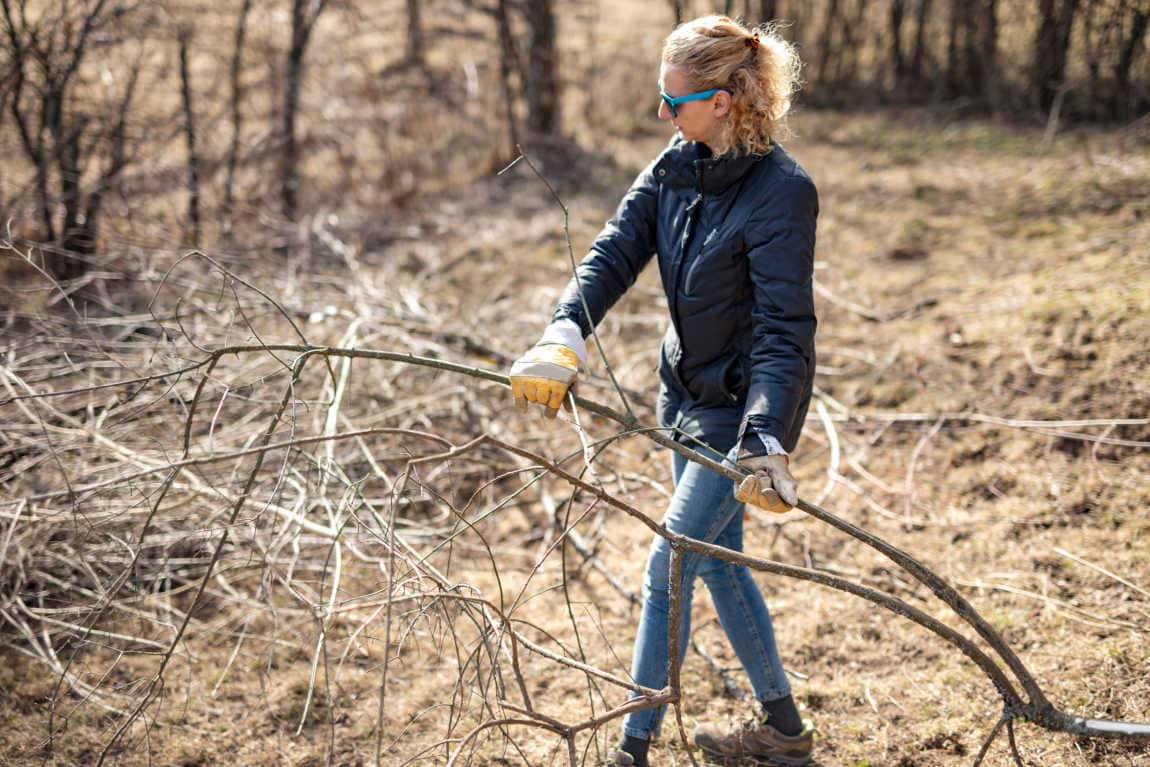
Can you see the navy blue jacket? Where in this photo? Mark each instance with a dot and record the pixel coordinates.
(735, 239)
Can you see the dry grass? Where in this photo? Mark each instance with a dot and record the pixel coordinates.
(1035, 268)
(1013, 280)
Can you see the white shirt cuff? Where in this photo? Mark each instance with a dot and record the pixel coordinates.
(773, 446)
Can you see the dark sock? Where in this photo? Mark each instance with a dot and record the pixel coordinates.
(636, 747)
(783, 715)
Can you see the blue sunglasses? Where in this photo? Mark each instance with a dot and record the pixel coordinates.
(673, 102)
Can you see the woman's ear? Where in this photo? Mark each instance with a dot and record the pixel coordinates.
(722, 104)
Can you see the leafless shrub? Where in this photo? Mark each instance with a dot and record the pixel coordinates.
(236, 479)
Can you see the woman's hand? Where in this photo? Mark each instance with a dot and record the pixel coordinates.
(769, 485)
(545, 373)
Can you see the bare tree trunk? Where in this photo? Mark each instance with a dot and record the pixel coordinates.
(35, 150)
(31, 140)
(46, 51)
(591, 66)
(304, 14)
(66, 145)
(677, 9)
(1098, 40)
(972, 67)
(415, 47)
(1131, 47)
(289, 180)
(1051, 45)
(972, 41)
(850, 44)
(768, 10)
(185, 37)
(826, 43)
(117, 144)
(235, 76)
(955, 27)
(1092, 51)
(507, 63)
(918, 58)
(542, 68)
(897, 57)
(988, 53)
(971, 45)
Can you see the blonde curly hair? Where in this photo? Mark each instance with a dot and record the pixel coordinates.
(759, 68)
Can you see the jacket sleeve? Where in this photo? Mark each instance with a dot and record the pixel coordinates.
(616, 258)
(781, 246)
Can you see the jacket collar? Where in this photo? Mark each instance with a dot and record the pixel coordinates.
(690, 163)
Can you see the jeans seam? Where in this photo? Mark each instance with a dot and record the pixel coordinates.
(748, 618)
(779, 688)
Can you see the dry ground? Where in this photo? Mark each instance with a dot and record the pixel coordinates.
(964, 268)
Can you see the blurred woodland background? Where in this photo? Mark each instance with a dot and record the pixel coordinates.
(265, 501)
(261, 111)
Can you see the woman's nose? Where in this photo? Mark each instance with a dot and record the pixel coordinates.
(664, 110)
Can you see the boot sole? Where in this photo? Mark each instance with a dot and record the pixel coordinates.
(763, 761)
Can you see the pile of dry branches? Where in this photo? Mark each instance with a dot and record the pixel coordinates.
(321, 482)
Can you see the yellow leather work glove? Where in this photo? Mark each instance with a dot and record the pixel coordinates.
(543, 375)
(769, 485)
(547, 370)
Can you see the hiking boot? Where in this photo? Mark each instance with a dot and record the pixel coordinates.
(620, 758)
(755, 739)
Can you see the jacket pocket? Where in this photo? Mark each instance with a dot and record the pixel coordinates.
(710, 385)
(735, 377)
(715, 270)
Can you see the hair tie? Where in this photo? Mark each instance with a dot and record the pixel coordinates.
(752, 41)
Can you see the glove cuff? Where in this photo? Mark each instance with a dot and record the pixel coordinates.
(568, 333)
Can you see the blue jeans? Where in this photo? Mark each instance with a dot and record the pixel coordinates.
(703, 507)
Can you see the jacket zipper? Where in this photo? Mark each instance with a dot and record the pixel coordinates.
(694, 210)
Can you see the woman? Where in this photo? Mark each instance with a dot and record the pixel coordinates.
(731, 218)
